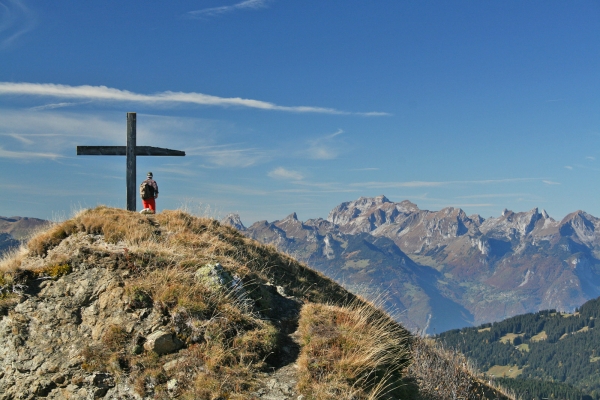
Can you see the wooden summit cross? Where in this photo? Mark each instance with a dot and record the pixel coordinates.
(131, 151)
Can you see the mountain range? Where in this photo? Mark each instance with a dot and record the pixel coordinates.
(439, 270)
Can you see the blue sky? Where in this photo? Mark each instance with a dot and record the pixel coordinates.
(286, 106)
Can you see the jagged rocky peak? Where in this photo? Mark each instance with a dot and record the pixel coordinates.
(292, 217)
(372, 201)
(447, 223)
(579, 225)
(545, 214)
(345, 212)
(522, 223)
(234, 221)
(477, 219)
(453, 212)
(407, 207)
(291, 221)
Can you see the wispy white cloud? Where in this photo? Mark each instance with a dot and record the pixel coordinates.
(15, 21)
(590, 158)
(20, 138)
(229, 156)
(55, 132)
(27, 154)
(324, 148)
(568, 167)
(56, 105)
(386, 185)
(551, 182)
(461, 205)
(325, 187)
(213, 11)
(492, 195)
(59, 132)
(286, 174)
(177, 170)
(103, 93)
(243, 190)
(585, 167)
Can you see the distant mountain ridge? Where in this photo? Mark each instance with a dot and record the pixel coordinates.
(443, 269)
(15, 229)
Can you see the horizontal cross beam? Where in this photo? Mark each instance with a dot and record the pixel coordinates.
(122, 151)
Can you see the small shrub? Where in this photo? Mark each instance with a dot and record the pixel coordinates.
(138, 297)
(115, 338)
(95, 358)
(8, 302)
(54, 271)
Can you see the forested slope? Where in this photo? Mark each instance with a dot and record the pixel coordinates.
(546, 346)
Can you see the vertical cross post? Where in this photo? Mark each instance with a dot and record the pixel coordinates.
(131, 139)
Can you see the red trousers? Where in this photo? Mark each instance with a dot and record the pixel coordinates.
(149, 203)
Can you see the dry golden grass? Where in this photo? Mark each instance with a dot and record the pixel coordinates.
(114, 224)
(352, 352)
(443, 374)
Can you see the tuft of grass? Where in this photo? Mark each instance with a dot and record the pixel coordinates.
(46, 240)
(444, 374)
(8, 297)
(116, 225)
(354, 352)
(12, 280)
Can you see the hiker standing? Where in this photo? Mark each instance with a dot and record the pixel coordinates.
(149, 192)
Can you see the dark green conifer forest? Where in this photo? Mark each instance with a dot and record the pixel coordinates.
(559, 354)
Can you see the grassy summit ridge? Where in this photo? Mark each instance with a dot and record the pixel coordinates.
(148, 313)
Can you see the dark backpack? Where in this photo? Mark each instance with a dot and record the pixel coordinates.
(146, 191)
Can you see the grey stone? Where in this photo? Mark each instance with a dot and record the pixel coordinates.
(162, 342)
(172, 385)
(213, 276)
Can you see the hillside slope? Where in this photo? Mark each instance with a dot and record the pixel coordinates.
(114, 304)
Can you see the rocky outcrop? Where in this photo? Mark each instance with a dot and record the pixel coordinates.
(78, 324)
(58, 319)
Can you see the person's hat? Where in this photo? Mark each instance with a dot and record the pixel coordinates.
(149, 174)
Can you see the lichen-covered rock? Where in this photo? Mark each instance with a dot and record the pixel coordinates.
(214, 276)
(162, 342)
